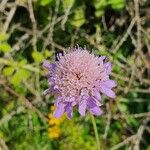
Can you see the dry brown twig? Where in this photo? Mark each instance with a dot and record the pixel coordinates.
(2, 5)
(108, 121)
(126, 141)
(135, 139)
(123, 39)
(49, 39)
(9, 116)
(9, 18)
(34, 24)
(3, 145)
(65, 17)
(140, 133)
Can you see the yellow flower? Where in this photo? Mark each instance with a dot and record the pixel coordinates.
(53, 120)
(54, 125)
(52, 108)
(54, 132)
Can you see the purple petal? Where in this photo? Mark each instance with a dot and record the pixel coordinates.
(58, 100)
(54, 91)
(82, 107)
(109, 83)
(96, 111)
(60, 108)
(105, 77)
(55, 87)
(107, 91)
(91, 102)
(69, 99)
(84, 92)
(68, 110)
(97, 95)
(101, 59)
(59, 55)
(108, 67)
(48, 65)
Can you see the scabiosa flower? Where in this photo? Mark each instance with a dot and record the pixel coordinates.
(79, 78)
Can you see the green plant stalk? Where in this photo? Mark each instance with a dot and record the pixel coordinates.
(96, 132)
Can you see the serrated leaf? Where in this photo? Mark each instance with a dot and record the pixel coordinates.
(8, 71)
(37, 56)
(5, 47)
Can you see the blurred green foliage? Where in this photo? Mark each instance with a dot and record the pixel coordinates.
(98, 24)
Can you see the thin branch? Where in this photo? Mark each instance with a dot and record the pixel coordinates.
(123, 39)
(34, 25)
(25, 101)
(9, 18)
(2, 5)
(7, 117)
(108, 121)
(126, 141)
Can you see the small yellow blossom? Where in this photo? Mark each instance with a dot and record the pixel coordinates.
(54, 125)
(53, 120)
(54, 132)
(52, 108)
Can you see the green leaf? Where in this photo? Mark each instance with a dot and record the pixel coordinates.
(20, 75)
(5, 47)
(79, 17)
(99, 13)
(8, 71)
(45, 2)
(48, 53)
(100, 4)
(122, 107)
(3, 37)
(117, 4)
(25, 74)
(16, 79)
(148, 148)
(37, 56)
(132, 121)
(22, 63)
(67, 3)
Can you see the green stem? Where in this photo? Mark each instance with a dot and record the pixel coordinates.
(95, 131)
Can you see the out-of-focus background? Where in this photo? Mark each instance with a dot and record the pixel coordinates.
(34, 30)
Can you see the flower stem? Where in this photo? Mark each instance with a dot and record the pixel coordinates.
(95, 131)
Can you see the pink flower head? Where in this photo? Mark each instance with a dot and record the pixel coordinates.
(79, 78)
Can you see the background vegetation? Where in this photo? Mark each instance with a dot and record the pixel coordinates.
(32, 31)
